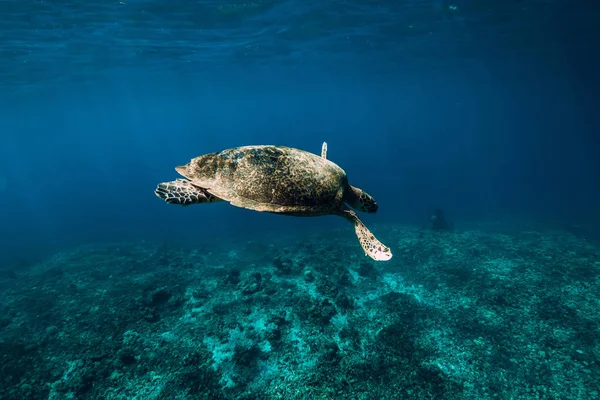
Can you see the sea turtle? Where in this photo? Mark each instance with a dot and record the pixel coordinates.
(275, 179)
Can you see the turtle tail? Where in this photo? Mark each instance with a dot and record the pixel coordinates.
(372, 247)
(183, 192)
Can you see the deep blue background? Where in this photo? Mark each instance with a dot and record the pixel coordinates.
(508, 132)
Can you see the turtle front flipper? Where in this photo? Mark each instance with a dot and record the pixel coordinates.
(183, 192)
(372, 247)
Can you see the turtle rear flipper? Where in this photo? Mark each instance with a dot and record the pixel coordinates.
(372, 247)
(183, 192)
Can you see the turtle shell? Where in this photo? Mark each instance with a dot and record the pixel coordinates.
(270, 178)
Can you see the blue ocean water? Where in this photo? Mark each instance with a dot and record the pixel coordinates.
(487, 110)
(481, 109)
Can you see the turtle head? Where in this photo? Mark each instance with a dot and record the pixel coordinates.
(360, 200)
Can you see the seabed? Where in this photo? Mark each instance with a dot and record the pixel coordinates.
(463, 315)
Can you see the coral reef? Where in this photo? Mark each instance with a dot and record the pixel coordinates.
(452, 316)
